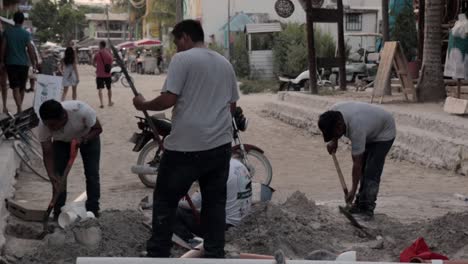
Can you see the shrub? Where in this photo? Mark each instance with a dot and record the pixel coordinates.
(240, 56)
(290, 56)
(405, 31)
(258, 86)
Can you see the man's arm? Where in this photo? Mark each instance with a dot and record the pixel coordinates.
(3, 50)
(95, 131)
(49, 163)
(164, 101)
(357, 174)
(32, 55)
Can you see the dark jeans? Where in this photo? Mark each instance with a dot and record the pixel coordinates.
(90, 154)
(177, 172)
(373, 164)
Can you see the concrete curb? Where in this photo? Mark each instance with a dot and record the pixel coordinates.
(9, 163)
(421, 138)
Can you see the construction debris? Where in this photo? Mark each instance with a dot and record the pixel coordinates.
(298, 227)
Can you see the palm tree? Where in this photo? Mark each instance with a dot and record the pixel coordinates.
(431, 87)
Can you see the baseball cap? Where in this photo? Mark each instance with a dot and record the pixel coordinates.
(327, 124)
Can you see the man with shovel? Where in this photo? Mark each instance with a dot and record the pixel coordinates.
(372, 131)
(60, 124)
(201, 86)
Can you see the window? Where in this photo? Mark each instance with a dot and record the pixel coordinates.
(354, 22)
(115, 26)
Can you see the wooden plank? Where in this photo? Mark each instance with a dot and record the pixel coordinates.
(384, 70)
(453, 89)
(454, 82)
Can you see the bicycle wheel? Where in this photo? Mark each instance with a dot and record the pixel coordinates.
(149, 156)
(31, 158)
(258, 165)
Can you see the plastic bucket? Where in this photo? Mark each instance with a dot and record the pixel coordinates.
(261, 192)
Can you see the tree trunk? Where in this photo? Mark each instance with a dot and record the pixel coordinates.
(431, 87)
(179, 11)
(386, 37)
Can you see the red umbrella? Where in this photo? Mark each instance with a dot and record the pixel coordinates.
(148, 42)
(126, 45)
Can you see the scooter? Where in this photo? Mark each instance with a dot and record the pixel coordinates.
(116, 75)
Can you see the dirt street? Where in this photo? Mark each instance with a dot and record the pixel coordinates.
(299, 161)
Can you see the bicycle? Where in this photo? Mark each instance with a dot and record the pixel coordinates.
(26, 144)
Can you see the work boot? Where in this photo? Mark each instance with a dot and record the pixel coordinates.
(355, 209)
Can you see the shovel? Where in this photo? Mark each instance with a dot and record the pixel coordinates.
(61, 187)
(344, 209)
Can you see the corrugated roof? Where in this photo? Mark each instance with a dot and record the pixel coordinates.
(112, 16)
(262, 28)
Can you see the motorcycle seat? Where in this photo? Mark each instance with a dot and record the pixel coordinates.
(163, 126)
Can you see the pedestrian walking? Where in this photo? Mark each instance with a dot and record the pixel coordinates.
(69, 70)
(103, 63)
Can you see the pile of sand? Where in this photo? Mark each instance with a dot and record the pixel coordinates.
(123, 235)
(298, 227)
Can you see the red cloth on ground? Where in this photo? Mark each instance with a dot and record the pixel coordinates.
(419, 249)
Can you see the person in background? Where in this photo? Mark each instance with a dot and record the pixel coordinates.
(3, 78)
(15, 50)
(103, 63)
(69, 69)
(238, 203)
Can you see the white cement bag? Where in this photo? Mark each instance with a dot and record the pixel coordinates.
(47, 87)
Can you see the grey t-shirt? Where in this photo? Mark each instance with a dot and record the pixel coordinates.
(206, 84)
(365, 123)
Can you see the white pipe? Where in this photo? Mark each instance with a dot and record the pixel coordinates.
(205, 261)
(81, 198)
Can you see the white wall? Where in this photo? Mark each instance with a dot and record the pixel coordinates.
(215, 13)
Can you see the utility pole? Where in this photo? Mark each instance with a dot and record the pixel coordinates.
(386, 36)
(229, 30)
(127, 28)
(107, 21)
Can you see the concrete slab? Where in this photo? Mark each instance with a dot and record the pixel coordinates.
(456, 106)
(9, 163)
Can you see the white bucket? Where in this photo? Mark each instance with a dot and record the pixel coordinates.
(72, 212)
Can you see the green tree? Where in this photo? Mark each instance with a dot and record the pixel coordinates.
(44, 16)
(290, 49)
(405, 31)
(240, 56)
(70, 23)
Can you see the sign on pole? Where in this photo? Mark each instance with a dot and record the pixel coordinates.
(48, 87)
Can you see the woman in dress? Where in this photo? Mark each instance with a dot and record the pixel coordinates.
(69, 70)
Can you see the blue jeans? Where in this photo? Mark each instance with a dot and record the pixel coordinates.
(177, 172)
(373, 164)
(90, 153)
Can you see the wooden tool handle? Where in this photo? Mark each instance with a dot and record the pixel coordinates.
(340, 175)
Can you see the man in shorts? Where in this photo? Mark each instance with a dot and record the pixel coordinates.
(14, 57)
(103, 76)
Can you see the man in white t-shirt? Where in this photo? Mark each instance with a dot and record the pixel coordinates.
(60, 124)
(201, 85)
(238, 203)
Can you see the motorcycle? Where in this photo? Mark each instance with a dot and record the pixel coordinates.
(150, 153)
(116, 75)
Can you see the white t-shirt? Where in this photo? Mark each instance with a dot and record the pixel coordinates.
(239, 194)
(206, 84)
(81, 117)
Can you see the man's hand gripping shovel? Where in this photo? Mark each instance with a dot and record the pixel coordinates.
(345, 209)
(59, 186)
